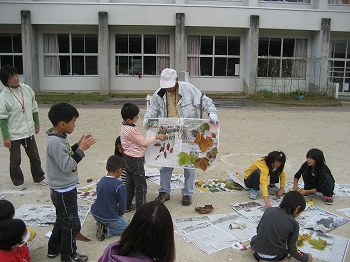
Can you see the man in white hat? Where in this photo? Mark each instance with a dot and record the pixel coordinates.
(179, 100)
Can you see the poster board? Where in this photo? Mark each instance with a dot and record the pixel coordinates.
(188, 140)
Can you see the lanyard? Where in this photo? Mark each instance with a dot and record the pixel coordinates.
(19, 101)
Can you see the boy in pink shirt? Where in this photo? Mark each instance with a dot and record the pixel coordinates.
(134, 150)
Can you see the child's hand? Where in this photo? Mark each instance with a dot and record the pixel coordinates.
(280, 192)
(295, 188)
(86, 141)
(160, 136)
(310, 257)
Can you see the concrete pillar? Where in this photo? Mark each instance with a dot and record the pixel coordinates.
(251, 56)
(319, 59)
(180, 48)
(103, 53)
(320, 4)
(29, 51)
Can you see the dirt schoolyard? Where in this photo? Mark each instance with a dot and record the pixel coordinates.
(246, 133)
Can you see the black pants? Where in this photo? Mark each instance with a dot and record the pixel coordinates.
(253, 181)
(136, 184)
(67, 224)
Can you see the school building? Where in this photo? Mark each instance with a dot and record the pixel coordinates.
(121, 46)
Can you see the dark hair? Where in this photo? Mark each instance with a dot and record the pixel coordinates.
(116, 150)
(317, 156)
(7, 209)
(291, 201)
(62, 112)
(150, 233)
(114, 162)
(11, 233)
(6, 72)
(274, 156)
(129, 111)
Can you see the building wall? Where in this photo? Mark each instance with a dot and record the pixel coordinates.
(225, 18)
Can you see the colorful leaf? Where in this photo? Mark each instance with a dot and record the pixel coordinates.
(318, 244)
(202, 163)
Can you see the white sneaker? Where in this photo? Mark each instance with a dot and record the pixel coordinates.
(42, 182)
(20, 187)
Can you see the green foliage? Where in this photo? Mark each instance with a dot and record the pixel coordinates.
(298, 93)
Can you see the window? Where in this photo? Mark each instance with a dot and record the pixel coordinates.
(141, 54)
(339, 64)
(11, 51)
(289, 1)
(282, 57)
(70, 54)
(213, 55)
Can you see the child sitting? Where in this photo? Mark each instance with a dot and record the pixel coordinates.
(278, 231)
(109, 207)
(13, 238)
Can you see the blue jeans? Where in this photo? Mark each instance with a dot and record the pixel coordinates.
(136, 184)
(114, 227)
(67, 224)
(165, 178)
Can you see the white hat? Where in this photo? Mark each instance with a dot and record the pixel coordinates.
(168, 78)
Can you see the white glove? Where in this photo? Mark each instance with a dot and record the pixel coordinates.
(213, 118)
(145, 123)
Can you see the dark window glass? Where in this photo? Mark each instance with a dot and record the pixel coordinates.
(220, 66)
(274, 67)
(65, 65)
(263, 47)
(135, 44)
(78, 65)
(122, 65)
(149, 65)
(121, 44)
(231, 66)
(6, 60)
(348, 55)
(339, 67)
(63, 43)
(262, 67)
(206, 66)
(275, 47)
(206, 45)
(288, 47)
(91, 65)
(91, 45)
(135, 63)
(233, 46)
(6, 43)
(339, 49)
(220, 45)
(149, 44)
(18, 63)
(287, 67)
(78, 44)
(17, 43)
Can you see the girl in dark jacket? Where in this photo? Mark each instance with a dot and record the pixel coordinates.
(316, 175)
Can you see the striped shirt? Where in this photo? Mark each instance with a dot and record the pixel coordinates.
(133, 142)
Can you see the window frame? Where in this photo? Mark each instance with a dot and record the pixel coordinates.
(17, 57)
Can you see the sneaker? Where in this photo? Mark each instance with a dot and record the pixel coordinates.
(77, 258)
(128, 209)
(42, 182)
(101, 231)
(53, 255)
(2, 196)
(253, 194)
(204, 210)
(186, 200)
(20, 187)
(328, 200)
(273, 189)
(162, 197)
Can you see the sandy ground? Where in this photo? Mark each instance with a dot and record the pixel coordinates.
(246, 133)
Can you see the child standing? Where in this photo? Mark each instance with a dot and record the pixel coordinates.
(316, 176)
(13, 238)
(19, 120)
(61, 167)
(134, 150)
(109, 207)
(278, 231)
(266, 168)
(119, 151)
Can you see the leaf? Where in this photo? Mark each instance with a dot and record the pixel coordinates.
(210, 141)
(202, 163)
(203, 127)
(201, 141)
(212, 153)
(318, 244)
(194, 133)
